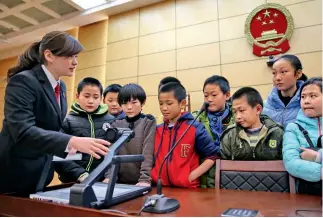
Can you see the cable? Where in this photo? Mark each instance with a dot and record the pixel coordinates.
(115, 211)
(297, 212)
(138, 214)
(148, 204)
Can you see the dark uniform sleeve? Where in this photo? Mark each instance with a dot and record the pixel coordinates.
(68, 171)
(21, 121)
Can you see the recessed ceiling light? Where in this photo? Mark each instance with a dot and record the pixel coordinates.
(87, 4)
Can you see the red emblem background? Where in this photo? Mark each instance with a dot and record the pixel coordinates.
(273, 21)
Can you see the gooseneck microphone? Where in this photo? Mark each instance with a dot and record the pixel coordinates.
(159, 182)
(162, 204)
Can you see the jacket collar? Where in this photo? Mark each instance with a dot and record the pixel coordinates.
(204, 118)
(47, 87)
(77, 110)
(121, 115)
(184, 116)
(50, 77)
(275, 102)
(310, 123)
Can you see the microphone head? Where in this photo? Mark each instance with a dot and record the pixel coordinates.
(205, 106)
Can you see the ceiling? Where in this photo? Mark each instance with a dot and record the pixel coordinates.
(24, 21)
(19, 14)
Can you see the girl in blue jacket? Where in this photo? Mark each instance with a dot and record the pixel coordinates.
(282, 104)
(295, 142)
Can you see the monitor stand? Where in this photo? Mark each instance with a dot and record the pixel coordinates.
(83, 195)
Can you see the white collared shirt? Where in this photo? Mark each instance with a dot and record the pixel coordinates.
(51, 79)
(54, 82)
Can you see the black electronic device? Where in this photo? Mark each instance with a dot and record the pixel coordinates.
(271, 60)
(239, 212)
(93, 194)
(113, 134)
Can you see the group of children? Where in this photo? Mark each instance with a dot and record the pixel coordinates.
(241, 127)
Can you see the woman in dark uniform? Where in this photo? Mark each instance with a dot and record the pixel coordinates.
(35, 106)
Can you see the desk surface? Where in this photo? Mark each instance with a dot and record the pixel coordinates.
(193, 202)
(212, 202)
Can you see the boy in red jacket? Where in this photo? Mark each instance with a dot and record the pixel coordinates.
(182, 167)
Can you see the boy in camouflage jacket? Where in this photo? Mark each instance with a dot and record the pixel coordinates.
(253, 136)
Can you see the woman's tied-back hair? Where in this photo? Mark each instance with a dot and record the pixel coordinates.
(58, 42)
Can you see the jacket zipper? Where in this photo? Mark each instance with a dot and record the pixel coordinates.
(254, 149)
(92, 136)
(283, 116)
(268, 132)
(253, 153)
(240, 146)
(169, 147)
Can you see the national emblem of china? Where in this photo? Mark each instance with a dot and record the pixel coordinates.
(268, 29)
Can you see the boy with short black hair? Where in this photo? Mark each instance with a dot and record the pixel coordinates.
(132, 98)
(167, 79)
(110, 97)
(253, 136)
(182, 169)
(84, 120)
(217, 118)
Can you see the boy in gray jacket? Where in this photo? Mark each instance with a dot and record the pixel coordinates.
(131, 98)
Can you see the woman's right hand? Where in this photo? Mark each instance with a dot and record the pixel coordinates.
(91, 146)
(106, 180)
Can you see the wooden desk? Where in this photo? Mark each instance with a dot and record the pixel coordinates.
(18, 206)
(212, 202)
(196, 202)
(14, 206)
